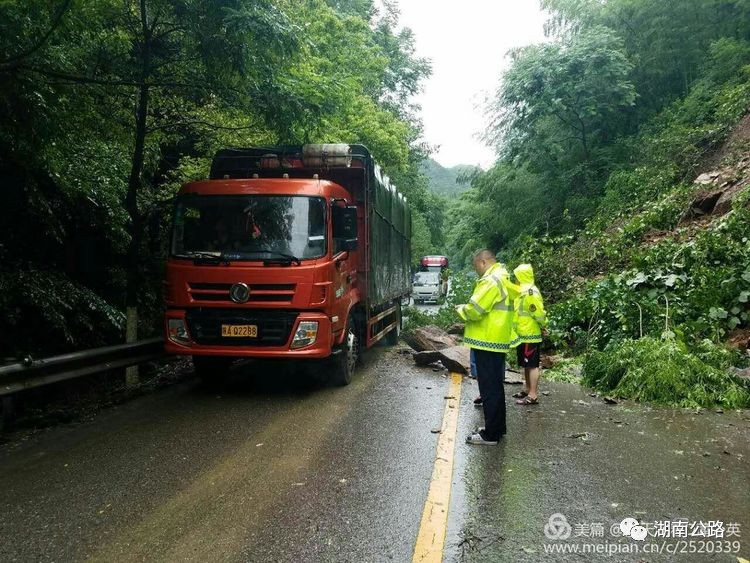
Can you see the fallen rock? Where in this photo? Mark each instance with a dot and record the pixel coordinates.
(724, 203)
(739, 338)
(457, 328)
(429, 338)
(706, 178)
(703, 204)
(455, 358)
(742, 372)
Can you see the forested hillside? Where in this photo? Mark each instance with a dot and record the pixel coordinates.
(617, 177)
(450, 181)
(108, 106)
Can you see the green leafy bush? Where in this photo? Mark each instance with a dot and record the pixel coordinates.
(48, 313)
(663, 371)
(415, 318)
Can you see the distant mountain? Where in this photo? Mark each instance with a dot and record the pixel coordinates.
(442, 180)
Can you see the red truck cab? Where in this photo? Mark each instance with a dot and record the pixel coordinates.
(279, 255)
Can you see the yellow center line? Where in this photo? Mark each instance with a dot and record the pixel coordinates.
(432, 530)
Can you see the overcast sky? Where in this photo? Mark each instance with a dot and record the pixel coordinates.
(467, 41)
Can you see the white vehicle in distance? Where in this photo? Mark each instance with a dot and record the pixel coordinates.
(427, 286)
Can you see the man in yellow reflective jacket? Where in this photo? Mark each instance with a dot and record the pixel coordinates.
(488, 318)
(529, 325)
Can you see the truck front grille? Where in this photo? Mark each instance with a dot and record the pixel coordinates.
(274, 327)
(259, 292)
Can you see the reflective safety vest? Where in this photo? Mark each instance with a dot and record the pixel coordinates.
(530, 317)
(489, 313)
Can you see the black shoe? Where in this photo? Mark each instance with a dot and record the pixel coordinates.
(478, 402)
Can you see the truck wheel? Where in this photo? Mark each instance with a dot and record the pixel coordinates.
(346, 360)
(213, 371)
(391, 339)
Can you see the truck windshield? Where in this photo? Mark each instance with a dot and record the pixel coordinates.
(249, 227)
(427, 278)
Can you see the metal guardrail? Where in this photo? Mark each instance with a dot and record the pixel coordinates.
(35, 373)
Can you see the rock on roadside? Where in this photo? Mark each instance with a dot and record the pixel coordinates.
(455, 358)
(430, 338)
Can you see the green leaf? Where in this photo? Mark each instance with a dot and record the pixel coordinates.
(638, 279)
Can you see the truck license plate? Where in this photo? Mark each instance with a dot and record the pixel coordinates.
(240, 331)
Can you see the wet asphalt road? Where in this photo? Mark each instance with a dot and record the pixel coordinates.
(276, 468)
(652, 464)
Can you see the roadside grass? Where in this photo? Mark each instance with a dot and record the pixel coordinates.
(665, 372)
(567, 370)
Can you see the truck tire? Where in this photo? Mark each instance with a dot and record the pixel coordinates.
(212, 371)
(391, 339)
(346, 360)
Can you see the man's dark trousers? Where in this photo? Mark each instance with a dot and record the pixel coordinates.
(491, 377)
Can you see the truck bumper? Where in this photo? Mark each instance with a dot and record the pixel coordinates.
(425, 296)
(321, 348)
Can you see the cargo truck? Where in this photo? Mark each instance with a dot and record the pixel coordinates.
(287, 252)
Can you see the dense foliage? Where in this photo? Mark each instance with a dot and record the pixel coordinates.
(622, 98)
(600, 132)
(107, 106)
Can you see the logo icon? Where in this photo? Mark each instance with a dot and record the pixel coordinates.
(239, 293)
(632, 529)
(557, 528)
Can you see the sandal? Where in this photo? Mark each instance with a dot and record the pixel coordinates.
(520, 394)
(527, 401)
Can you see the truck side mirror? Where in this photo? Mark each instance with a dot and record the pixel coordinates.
(345, 227)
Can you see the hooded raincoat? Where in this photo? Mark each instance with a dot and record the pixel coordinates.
(530, 317)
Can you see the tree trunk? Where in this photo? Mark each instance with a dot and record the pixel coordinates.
(136, 230)
(133, 280)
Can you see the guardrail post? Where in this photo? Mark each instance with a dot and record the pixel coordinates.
(6, 411)
(132, 378)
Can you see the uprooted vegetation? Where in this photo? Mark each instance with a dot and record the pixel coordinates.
(664, 371)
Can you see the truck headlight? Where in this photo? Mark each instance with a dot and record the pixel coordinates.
(177, 331)
(307, 333)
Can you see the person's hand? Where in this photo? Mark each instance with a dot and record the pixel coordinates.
(545, 332)
(458, 309)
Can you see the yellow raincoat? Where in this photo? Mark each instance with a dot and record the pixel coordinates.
(530, 317)
(489, 312)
